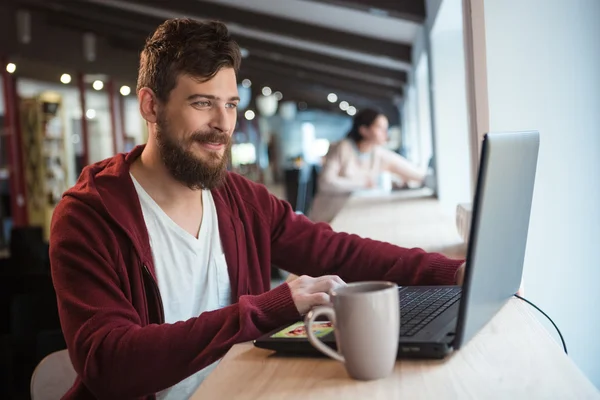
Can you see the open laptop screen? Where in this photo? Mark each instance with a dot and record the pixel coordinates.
(499, 227)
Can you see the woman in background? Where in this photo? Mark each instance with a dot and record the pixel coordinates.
(357, 163)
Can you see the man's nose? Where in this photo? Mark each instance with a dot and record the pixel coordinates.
(220, 120)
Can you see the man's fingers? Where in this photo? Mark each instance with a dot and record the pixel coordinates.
(334, 278)
(308, 292)
(325, 284)
(318, 299)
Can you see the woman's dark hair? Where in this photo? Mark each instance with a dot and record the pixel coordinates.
(365, 117)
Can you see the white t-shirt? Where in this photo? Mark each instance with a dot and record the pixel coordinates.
(191, 272)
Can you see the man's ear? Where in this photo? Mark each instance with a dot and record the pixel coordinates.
(148, 105)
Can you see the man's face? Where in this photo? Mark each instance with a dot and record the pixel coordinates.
(194, 129)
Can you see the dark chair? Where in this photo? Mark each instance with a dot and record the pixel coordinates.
(312, 187)
(6, 368)
(292, 182)
(34, 328)
(301, 187)
(49, 341)
(28, 250)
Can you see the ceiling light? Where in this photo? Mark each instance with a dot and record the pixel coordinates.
(332, 97)
(278, 95)
(91, 113)
(344, 105)
(125, 90)
(98, 85)
(351, 110)
(65, 78)
(266, 91)
(249, 114)
(246, 83)
(11, 68)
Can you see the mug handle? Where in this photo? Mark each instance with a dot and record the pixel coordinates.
(308, 322)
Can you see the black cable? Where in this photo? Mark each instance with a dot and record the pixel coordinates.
(550, 319)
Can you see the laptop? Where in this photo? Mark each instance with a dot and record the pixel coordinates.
(436, 320)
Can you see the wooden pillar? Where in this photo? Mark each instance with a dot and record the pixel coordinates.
(18, 195)
(112, 112)
(84, 125)
(122, 121)
(476, 80)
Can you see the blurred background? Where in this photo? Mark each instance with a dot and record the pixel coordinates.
(69, 71)
(444, 72)
(308, 67)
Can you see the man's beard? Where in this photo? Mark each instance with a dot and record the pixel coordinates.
(187, 168)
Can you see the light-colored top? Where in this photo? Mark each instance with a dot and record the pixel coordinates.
(347, 170)
(191, 272)
(513, 357)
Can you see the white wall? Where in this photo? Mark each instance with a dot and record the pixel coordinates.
(450, 107)
(420, 78)
(423, 109)
(411, 133)
(100, 136)
(416, 108)
(543, 62)
(432, 7)
(1, 97)
(134, 124)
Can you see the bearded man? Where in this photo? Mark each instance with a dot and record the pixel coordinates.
(161, 258)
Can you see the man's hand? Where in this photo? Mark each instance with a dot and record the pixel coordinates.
(460, 274)
(308, 292)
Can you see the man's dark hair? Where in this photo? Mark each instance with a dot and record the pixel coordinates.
(365, 117)
(189, 47)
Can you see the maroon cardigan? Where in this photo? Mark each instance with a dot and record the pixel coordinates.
(110, 306)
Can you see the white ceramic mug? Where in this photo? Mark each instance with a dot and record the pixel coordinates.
(366, 321)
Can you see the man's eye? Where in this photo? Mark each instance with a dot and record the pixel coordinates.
(232, 105)
(202, 103)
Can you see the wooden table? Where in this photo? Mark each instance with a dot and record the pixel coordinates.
(512, 357)
(406, 218)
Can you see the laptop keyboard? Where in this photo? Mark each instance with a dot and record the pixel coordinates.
(419, 307)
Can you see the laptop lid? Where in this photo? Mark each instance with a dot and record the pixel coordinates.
(499, 227)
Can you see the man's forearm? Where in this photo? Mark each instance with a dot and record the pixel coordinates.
(119, 359)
